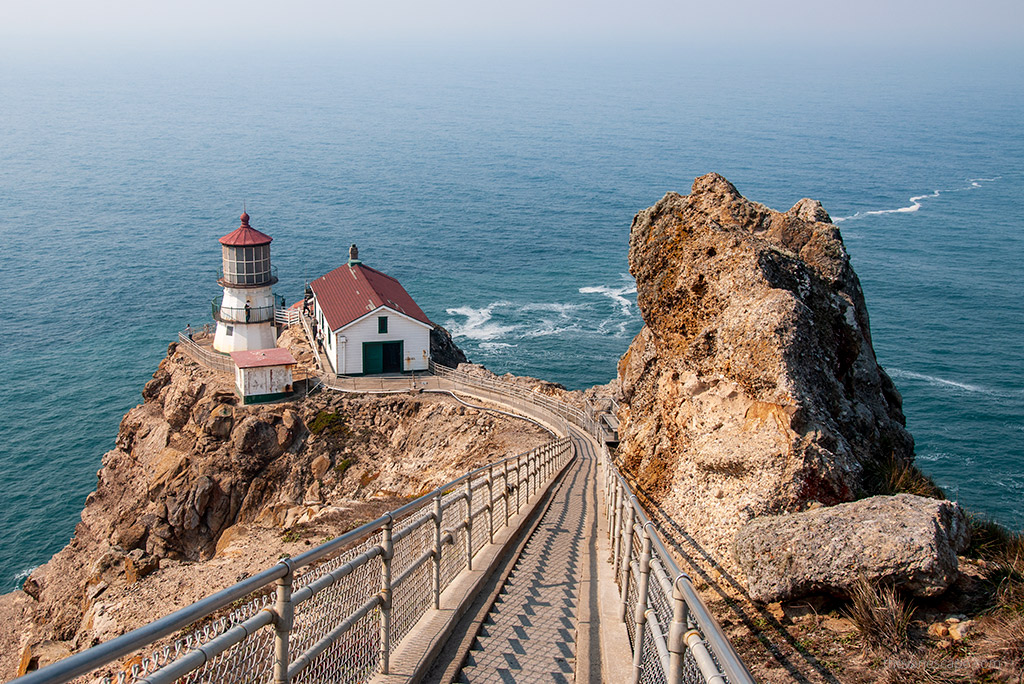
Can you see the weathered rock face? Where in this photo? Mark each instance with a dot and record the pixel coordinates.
(904, 540)
(443, 349)
(752, 388)
(193, 472)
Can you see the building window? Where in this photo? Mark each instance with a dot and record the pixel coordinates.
(382, 324)
(229, 330)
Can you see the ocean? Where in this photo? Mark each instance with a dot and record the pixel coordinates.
(499, 189)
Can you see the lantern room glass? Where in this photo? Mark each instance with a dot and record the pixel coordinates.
(247, 265)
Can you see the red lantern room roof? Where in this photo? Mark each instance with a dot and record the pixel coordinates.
(245, 236)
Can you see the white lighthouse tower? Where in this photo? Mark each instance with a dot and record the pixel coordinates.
(245, 313)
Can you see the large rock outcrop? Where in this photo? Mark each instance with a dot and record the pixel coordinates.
(906, 541)
(753, 387)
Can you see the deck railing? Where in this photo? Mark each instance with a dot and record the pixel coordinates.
(337, 612)
(205, 356)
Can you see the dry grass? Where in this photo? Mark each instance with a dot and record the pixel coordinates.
(881, 616)
(894, 475)
(1005, 639)
(914, 669)
(1003, 550)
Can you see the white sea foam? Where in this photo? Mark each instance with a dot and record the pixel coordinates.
(477, 324)
(915, 202)
(935, 456)
(616, 294)
(939, 382)
(565, 310)
(547, 328)
(496, 347)
(23, 575)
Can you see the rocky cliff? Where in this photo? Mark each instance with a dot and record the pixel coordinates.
(752, 388)
(201, 491)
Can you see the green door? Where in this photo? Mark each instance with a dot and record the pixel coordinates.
(373, 357)
(392, 353)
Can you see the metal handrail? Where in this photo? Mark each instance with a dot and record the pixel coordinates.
(692, 632)
(211, 359)
(678, 621)
(380, 543)
(239, 314)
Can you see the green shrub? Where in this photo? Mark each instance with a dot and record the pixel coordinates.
(329, 423)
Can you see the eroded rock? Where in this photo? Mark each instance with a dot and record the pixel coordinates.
(752, 388)
(908, 541)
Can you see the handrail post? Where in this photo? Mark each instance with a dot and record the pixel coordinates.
(517, 483)
(505, 488)
(627, 539)
(640, 611)
(617, 528)
(388, 552)
(490, 504)
(676, 632)
(285, 612)
(437, 551)
(469, 523)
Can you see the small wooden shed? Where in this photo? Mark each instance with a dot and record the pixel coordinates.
(263, 374)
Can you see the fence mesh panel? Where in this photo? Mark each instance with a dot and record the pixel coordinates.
(453, 556)
(414, 596)
(355, 654)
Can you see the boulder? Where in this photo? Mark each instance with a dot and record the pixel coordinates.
(903, 540)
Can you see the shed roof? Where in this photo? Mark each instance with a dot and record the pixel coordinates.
(258, 358)
(245, 235)
(351, 291)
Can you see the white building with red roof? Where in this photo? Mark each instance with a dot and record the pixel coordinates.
(367, 323)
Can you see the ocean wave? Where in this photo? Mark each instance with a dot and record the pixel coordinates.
(940, 382)
(496, 347)
(478, 324)
(915, 202)
(547, 328)
(565, 310)
(935, 456)
(616, 294)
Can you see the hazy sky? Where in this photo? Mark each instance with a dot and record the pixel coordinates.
(750, 23)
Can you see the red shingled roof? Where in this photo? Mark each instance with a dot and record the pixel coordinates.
(245, 236)
(257, 358)
(354, 290)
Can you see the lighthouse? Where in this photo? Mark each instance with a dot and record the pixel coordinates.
(245, 312)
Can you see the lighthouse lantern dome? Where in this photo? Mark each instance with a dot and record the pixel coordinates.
(245, 253)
